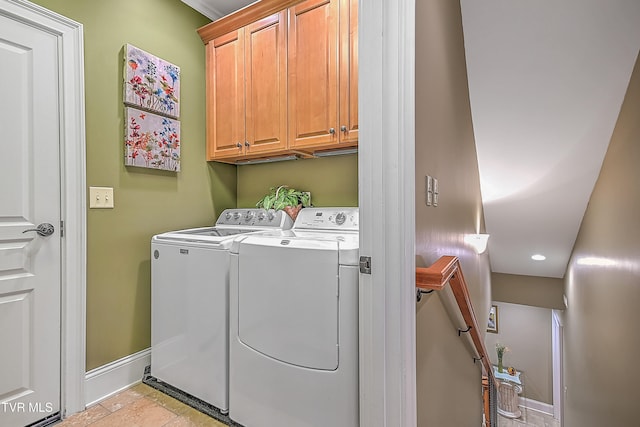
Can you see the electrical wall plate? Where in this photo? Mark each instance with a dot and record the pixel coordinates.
(101, 198)
(436, 192)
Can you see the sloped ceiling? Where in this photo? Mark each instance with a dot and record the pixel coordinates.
(546, 82)
(214, 9)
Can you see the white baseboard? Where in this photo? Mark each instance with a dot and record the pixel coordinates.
(534, 405)
(113, 377)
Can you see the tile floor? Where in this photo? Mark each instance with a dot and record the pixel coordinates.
(140, 406)
(529, 418)
(144, 406)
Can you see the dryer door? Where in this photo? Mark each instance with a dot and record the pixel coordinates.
(288, 300)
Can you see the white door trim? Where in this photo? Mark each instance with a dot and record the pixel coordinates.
(73, 178)
(557, 351)
(387, 213)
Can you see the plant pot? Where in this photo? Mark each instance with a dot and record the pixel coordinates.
(293, 211)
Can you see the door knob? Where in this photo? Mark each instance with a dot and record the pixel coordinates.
(45, 229)
(343, 128)
(332, 131)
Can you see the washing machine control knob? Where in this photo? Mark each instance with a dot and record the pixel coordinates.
(341, 218)
(236, 215)
(261, 216)
(227, 216)
(271, 215)
(248, 215)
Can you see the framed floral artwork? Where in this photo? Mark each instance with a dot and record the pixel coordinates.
(151, 141)
(151, 83)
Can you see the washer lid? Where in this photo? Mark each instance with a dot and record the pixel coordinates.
(214, 232)
(212, 235)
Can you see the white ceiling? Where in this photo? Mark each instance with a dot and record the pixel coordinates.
(546, 82)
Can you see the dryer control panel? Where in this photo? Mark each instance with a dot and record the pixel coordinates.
(327, 219)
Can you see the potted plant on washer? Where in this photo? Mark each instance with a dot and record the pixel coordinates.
(288, 199)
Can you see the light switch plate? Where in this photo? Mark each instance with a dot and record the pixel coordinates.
(436, 192)
(429, 190)
(101, 198)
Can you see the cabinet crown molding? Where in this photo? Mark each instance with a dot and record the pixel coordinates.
(243, 17)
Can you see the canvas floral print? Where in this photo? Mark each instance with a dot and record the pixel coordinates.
(152, 141)
(151, 83)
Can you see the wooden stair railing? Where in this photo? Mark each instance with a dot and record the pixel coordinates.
(445, 270)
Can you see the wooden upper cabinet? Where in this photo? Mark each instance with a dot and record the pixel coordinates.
(349, 71)
(284, 82)
(266, 84)
(225, 96)
(313, 74)
(247, 90)
(323, 74)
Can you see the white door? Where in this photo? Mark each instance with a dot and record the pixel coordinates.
(386, 186)
(30, 272)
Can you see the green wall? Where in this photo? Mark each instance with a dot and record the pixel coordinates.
(146, 202)
(333, 181)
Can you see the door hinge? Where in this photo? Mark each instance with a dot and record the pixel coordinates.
(61, 228)
(365, 264)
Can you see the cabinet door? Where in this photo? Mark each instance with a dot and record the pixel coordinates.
(225, 96)
(313, 74)
(349, 71)
(266, 84)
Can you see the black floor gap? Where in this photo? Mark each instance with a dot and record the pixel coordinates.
(187, 399)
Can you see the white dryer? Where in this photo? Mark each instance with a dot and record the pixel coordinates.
(294, 323)
(189, 302)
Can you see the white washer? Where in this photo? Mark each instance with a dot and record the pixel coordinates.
(189, 302)
(294, 323)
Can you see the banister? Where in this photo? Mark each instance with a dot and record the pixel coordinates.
(436, 276)
(445, 270)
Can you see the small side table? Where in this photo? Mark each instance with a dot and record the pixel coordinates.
(509, 388)
(505, 375)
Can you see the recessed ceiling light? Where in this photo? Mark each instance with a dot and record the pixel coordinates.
(538, 257)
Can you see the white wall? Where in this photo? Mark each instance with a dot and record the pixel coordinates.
(445, 149)
(602, 285)
(526, 331)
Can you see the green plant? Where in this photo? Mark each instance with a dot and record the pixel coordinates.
(283, 196)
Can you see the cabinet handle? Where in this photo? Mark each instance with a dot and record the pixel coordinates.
(246, 143)
(239, 146)
(332, 131)
(343, 128)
